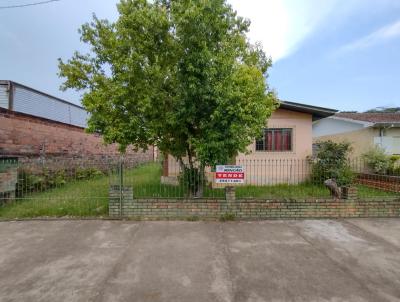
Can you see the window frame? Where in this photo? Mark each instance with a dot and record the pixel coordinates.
(262, 141)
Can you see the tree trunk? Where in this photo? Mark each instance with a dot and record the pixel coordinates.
(200, 187)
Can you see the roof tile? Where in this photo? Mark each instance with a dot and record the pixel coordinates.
(379, 117)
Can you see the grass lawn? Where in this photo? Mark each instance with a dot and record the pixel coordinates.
(89, 198)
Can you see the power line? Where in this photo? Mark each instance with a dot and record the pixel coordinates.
(28, 4)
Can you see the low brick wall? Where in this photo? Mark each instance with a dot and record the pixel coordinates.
(251, 209)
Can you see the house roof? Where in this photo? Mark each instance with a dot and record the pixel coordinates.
(317, 112)
(376, 118)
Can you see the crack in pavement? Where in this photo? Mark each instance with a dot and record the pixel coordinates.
(222, 286)
(371, 235)
(343, 268)
(116, 268)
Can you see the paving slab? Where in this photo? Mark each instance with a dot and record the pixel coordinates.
(385, 229)
(310, 260)
(366, 257)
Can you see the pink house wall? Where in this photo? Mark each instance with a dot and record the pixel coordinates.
(266, 167)
(301, 123)
(277, 167)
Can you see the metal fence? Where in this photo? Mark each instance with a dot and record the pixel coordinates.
(291, 178)
(80, 187)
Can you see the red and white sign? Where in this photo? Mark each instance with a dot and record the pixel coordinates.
(229, 174)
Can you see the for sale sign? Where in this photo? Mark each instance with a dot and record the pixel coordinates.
(229, 174)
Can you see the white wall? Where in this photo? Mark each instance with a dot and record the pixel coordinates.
(3, 96)
(332, 126)
(389, 143)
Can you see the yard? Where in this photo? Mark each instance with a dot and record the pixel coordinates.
(89, 198)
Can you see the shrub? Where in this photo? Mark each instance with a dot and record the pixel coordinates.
(193, 218)
(377, 160)
(88, 173)
(394, 165)
(38, 180)
(227, 217)
(332, 162)
(29, 182)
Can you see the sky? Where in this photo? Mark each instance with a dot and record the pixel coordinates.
(341, 54)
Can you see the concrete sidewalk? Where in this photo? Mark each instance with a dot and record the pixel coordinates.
(314, 260)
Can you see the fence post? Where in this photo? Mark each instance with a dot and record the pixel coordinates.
(230, 197)
(230, 194)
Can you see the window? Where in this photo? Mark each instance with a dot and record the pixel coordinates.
(276, 139)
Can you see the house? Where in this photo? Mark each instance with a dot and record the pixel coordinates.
(362, 130)
(35, 124)
(26, 100)
(281, 155)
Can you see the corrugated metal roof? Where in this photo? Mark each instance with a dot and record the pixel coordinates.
(34, 102)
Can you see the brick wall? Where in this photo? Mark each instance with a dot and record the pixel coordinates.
(251, 209)
(28, 136)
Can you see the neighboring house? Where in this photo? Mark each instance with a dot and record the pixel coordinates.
(362, 130)
(23, 99)
(34, 123)
(280, 156)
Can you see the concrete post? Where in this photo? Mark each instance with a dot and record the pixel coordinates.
(230, 194)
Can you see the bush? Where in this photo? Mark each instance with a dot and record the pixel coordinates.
(193, 218)
(378, 161)
(42, 179)
(394, 168)
(227, 217)
(88, 173)
(332, 163)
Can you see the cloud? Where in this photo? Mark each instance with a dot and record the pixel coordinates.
(385, 33)
(282, 25)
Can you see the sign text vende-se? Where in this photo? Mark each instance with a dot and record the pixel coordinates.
(229, 174)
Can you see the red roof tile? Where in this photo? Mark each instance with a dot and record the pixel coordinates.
(371, 117)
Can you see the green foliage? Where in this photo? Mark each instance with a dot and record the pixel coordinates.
(90, 198)
(178, 74)
(44, 179)
(381, 163)
(332, 162)
(377, 160)
(88, 173)
(193, 218)
(394, 168)
(227, 217)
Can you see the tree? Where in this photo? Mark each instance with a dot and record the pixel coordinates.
(332, 163)
(177, 74)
